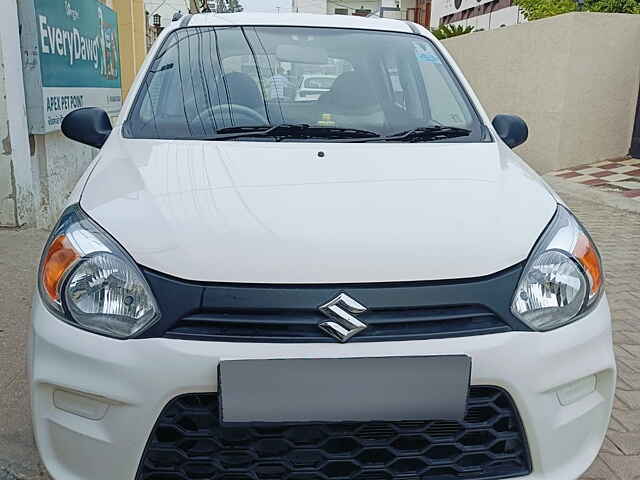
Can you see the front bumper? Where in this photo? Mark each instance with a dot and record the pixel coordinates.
(96, 399)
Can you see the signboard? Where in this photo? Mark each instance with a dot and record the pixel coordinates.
(450, 7)
(71, 60)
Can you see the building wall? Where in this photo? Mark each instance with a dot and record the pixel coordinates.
(37, 172)
(504, 17)
(309, 6)
(351, 5)
(482, 14)
(7, 193)
(167, 9)
(133, 39)
(61, 163)
(329, 6)
(574, 78)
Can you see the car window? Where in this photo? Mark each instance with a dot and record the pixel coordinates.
(323, 83)
(447, 106)
(206, 79)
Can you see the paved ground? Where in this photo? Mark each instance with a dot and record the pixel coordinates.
(617, 233)
(19, 252)
(613, 220)
(620, 175)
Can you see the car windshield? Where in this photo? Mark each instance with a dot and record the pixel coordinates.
(209, 82)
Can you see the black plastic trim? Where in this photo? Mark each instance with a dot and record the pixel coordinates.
(88, 125)
(413, 27)
(189, 442)
(289, 313)
(184, 22)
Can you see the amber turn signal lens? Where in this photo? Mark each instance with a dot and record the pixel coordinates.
(59, 258)
(586, 253)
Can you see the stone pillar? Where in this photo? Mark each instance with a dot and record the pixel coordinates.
(19, 174)
(132, 36)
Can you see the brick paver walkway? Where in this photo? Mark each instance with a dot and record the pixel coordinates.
(617, 234)
(620, 175)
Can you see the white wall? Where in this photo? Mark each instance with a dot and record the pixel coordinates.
(507, 16)
(503, 17)
(7, 193)
(329, 6)
(57, 163)
(310, 6)
(61, 162)
(439, 8)
(373, 5)
(574, 78)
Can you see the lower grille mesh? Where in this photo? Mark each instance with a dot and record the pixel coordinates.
(188, 443)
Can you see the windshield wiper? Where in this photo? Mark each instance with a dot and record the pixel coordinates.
(434, 132)
(229, 133)
(305, 131)
(296, 130)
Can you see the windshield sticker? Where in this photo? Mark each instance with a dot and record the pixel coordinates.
(326, 120)
(424, 53)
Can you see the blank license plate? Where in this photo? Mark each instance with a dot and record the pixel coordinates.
(344, 389)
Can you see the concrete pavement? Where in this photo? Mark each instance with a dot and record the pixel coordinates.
(19, 255)
(614, 223)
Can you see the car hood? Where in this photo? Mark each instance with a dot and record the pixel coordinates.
(267, 212)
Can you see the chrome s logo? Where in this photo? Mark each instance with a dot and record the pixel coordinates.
(343, 324)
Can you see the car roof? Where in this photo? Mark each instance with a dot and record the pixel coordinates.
(296, 20)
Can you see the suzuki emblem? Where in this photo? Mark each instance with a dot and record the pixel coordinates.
(341, 311)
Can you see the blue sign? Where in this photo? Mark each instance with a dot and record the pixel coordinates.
(78, 57)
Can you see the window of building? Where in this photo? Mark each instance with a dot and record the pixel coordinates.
(341, 11)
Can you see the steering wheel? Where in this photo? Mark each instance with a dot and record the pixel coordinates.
(241, 114)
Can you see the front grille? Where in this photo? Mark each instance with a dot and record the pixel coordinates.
(387, 325)
(290, 313)
(188, 443)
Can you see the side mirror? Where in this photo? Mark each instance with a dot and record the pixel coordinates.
(89, 125)
(512, 129)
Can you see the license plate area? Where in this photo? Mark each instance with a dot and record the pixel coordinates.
(344, 389)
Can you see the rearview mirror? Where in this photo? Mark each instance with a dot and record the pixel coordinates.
(299, 54)
(89, 125)
(512, 129)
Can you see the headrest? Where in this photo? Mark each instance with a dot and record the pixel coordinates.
(242, 89)
(351, 91)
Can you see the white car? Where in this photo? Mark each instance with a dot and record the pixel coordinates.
(312, 86)
(371, 286)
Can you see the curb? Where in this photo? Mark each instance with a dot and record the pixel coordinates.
(593, 195)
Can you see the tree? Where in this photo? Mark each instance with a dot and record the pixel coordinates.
(537, 9)
(234, 6)
(448, 31)
(613, 6)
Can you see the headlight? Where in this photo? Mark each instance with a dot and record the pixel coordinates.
(89, 281)
(563, 278)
